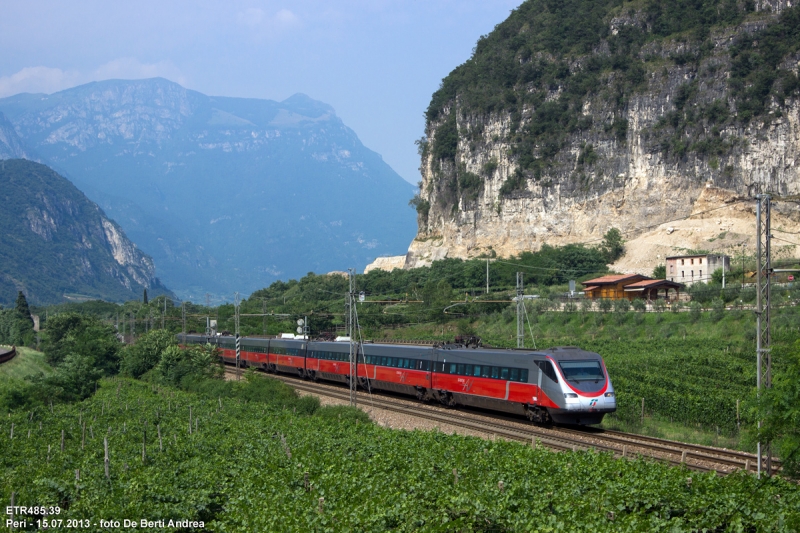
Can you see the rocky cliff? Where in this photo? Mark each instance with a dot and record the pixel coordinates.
(574, 117)
(56, 245)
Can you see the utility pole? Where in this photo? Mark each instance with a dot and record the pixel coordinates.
(236, 303)
(520, 312)
(351, 332)
(763, 338)
(487, 275)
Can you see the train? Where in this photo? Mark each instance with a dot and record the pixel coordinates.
(564, 385)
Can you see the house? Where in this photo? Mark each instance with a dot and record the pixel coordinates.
(689, 269)
(629, 286)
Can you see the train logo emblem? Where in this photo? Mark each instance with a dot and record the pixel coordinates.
(593, 403)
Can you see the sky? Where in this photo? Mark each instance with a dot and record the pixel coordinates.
(377, 62)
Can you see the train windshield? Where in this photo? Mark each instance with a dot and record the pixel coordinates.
(582, 370)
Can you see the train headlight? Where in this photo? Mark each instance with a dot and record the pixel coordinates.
(609, 395)
(570, 395)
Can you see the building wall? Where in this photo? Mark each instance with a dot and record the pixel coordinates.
(692, 269)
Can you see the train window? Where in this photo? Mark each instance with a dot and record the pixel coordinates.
(407, 363)
(495, 372)
(477, 370)
(468, 370)
(547, 369)
(504, 373)
(514, 374)
(460, 369)
(486, 371)
(582, 370)
(523, 375)
(452, 368)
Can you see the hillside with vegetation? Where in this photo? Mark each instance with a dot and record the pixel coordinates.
(572, 117)
(58, 246)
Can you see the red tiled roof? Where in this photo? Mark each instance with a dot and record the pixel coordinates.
(612, 278)
(591, 288)
(648, 283)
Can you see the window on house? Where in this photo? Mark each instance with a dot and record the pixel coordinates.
(701, 273)
(692, 273)
(683, 274)
(682, 261)
(671, 269)
(691, 261)
(701, 260)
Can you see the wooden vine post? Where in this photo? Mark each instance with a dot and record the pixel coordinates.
(105, 460)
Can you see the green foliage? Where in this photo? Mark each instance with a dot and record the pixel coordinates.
(445, 144)
(639, 305)
(15, 330)
(779, 410)
(755, 76)
(144, 297)
(83, 335)
(548, 57)
(660, 272)
(371, 478)
(136, 359)
(613, 246)
(421, 205)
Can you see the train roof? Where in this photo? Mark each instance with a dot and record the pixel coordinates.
(406, 350)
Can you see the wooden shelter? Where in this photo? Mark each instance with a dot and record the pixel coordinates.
(649, 289)
(611, 287)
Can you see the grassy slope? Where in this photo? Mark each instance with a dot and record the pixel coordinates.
(28, 362)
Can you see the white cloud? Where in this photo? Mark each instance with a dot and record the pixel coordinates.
(38, 80)
(262, 24)
(50, 80)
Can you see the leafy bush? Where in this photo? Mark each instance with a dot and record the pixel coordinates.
(145, 354)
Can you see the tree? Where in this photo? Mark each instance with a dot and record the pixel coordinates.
(779, 410)
(136, 359)
(23, 311)
(144, 298)
(85, 335)
(660, 272)
(613, 247)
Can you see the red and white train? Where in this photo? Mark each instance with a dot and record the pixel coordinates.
(565, 385)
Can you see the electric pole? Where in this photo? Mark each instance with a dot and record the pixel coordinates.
(351, 333)
(520, 312)
(763, 337)
(487, 275)
(236, 302)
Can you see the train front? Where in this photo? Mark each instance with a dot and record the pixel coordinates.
(587, 391)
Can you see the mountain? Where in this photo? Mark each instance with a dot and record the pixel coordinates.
(11, 147)
(57, 245)
(227, 194)
(577, 116)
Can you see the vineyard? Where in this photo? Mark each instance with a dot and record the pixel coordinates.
(283, 465)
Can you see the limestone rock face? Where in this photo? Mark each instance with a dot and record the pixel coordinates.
(634, 181)
(386, 263)
(59, 246)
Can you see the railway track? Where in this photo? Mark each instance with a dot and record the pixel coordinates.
(695, 457)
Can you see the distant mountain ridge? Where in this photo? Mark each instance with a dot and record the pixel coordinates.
(11, 146)
(57, 245)
(225, 193)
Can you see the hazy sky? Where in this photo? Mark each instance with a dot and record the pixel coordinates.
(377, 62)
